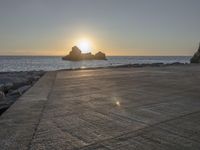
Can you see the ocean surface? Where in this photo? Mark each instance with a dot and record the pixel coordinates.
(30, 63)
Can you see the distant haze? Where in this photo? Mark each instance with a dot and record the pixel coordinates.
(117, 27)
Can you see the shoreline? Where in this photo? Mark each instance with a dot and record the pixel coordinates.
(136, 65)
(129, 66)
(15, 84)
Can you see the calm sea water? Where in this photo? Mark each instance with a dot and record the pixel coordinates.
(27, 63)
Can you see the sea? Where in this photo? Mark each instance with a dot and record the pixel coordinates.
(49, 63)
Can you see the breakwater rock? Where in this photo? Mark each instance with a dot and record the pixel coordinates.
(14, 84)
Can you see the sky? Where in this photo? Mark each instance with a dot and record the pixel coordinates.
(116, 27)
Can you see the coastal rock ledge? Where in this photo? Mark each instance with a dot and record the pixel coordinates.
(76, 55)
(196, 57)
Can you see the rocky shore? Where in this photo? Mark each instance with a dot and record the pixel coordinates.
(14, 84)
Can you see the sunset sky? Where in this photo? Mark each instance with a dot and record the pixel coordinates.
(116, 27)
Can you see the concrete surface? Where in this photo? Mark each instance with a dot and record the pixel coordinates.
(107, 109)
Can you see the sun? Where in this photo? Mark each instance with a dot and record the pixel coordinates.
(85, 46)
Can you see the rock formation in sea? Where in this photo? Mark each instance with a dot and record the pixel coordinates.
(196, 57)
(100, 56)
(76, 55)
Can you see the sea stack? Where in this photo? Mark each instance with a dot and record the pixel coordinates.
(76, 55)
(196, 57)
(100, 56)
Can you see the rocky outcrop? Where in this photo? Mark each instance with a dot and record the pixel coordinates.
(196, 57)
(76, 55)
(100, 56)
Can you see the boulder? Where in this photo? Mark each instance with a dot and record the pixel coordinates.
(19, 84)
(37, 77)
(20, 90)
(2, 95)
(100, 56)
(196, 57)
(8, 86)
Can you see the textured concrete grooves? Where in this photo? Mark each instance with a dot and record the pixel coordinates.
(18, 123)
(108, 109)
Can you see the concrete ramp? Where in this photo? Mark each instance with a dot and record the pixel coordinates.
(107, 109)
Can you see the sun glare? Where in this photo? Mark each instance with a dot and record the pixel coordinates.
(118, 103)
(85, 46)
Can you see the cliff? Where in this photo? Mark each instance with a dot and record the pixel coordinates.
(196, 57)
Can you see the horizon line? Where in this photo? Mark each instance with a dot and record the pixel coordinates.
(107, 55)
